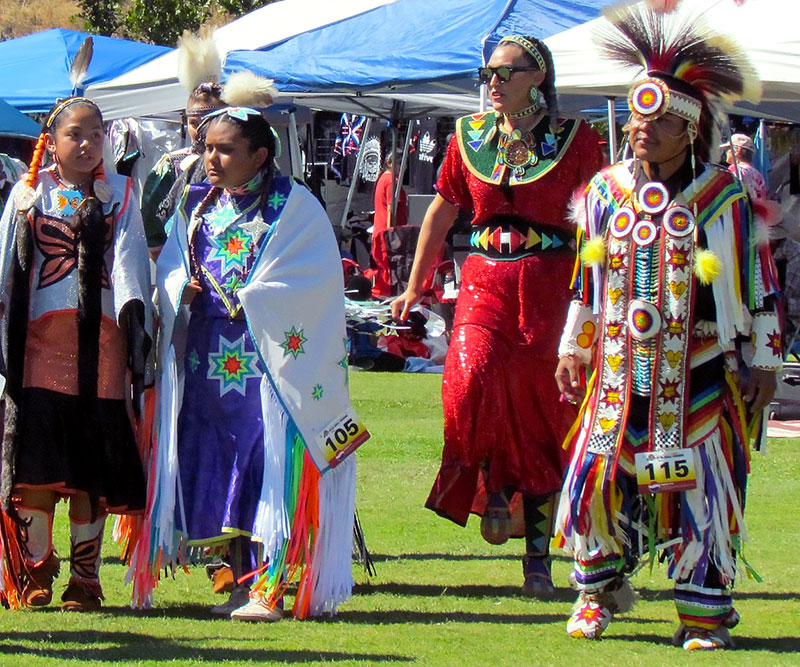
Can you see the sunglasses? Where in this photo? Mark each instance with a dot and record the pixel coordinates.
(502, 72)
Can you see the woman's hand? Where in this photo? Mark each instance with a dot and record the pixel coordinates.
(402, 305)
(760, 389)
(191, 290)
(568, 377)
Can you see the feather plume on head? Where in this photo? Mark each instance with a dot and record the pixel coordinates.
(691, 70)
(245, 89)
(198, 59)
(80, 65)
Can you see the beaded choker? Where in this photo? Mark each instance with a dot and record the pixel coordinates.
(527, 111)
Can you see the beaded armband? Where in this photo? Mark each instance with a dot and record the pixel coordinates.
(765, 335)
(580, 332)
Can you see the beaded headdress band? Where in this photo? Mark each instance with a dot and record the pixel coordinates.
(651, 98)
(690, 69)
(529, 46)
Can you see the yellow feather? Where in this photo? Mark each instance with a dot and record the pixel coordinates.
(593, 251)
(707, 266)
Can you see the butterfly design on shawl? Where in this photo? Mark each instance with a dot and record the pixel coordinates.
(58, 243)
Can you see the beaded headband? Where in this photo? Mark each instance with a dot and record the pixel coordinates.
(63, 104)
(529, 46)
(651, 98)
(200, 111)
(240, 113)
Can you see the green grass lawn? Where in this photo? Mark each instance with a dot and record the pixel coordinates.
(441, 595)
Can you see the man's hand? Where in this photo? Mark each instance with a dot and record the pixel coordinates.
(760, 389)
(568, 377)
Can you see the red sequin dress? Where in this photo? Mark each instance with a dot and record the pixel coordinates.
(501, 405)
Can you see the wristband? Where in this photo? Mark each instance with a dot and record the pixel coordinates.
(580, 333)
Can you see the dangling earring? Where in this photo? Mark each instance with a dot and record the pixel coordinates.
(533, 94)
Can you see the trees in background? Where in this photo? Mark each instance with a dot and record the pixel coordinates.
(158, 21)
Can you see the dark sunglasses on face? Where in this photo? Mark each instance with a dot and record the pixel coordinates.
(502, 72)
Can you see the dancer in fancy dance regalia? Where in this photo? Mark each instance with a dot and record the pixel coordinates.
(75, 280)
(515, 168)
(253, 393)
(673, 273)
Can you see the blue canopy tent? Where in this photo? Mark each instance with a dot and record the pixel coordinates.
(34, 69)
(413, 47)
(407, 58)
(16, 124)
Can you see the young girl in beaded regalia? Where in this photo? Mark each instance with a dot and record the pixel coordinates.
(74, 291)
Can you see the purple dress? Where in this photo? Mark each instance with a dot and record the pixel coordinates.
(220, 426)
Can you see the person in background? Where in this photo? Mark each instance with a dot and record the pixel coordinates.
(739, 154)
(383, 220)
(199, 71)
(205, 98)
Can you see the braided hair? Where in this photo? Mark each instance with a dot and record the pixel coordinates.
(548, 86)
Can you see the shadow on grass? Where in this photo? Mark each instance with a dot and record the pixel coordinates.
(380, 558)
(460, 590)
(197, 612)
(768, 644)
(652, 594)
(134, 646)
(400, 616)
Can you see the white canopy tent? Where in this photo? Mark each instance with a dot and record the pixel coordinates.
(766, 29)
(154, 88)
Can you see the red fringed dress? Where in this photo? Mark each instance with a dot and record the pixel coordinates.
(501, 405)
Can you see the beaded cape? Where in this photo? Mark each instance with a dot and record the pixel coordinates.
(478, 139)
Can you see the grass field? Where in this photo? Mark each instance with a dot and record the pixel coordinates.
(441, 596)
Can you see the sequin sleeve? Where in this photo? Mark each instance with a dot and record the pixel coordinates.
(452, 183)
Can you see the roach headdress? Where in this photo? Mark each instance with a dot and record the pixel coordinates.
(690, 70)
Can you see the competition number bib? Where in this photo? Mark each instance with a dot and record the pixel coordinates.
(657, 472)
(341, 437)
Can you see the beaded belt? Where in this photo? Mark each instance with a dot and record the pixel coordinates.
(512, 241)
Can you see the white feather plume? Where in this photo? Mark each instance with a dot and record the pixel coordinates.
(80, 64)
(245, 89)
(198, 59)
(576, 211)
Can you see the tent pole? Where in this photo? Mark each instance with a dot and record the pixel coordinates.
(395, 119)
(294, 145)
(612, 130)
(483, 98)
(357, 170)
(403, 163)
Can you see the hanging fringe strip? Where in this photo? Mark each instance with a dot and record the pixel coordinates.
(13, 571)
